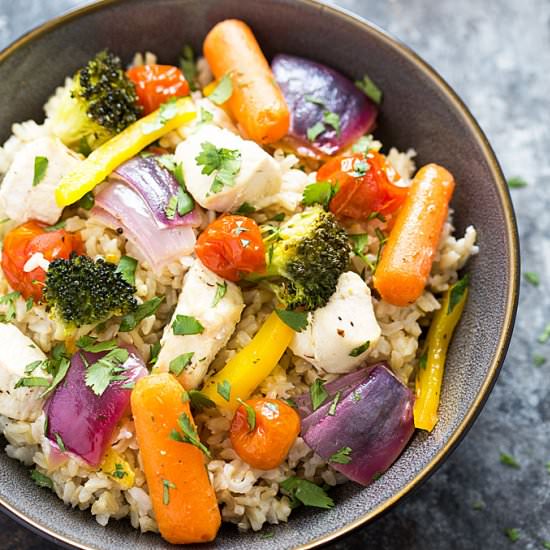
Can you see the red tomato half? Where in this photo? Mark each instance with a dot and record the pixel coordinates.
(231, 247)
(156, 84)
(24, 241)
(364, 186)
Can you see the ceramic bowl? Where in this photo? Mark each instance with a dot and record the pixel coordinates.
(419, 111)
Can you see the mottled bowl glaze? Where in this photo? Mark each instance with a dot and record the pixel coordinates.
(419, 111)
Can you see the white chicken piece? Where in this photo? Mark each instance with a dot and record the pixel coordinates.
(20, 200)
(336, 337)
(217, 305)
(255, 182)
(18, 351)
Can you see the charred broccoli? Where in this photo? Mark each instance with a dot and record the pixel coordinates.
(101, 102)
(80, 291)
(305, 257)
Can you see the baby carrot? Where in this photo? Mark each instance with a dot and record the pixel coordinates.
(408, 255)
(257, 101)
(183, 499)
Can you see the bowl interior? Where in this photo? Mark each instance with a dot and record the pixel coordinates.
(417, 112)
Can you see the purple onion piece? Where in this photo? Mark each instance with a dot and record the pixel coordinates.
(310, 89)
(84, 421)
(374, 419)
(156, 185)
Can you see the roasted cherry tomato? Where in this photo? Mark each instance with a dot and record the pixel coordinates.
(231, 247)
(265, 443)
(24, 241)
(364, 186)
(156, 84)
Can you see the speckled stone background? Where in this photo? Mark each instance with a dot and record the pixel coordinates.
(496, 54)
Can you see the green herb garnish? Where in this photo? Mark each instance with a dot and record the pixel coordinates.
(224, 390)
(320, 192)
(370, 89)
(226, 163)
(166, 486)
(189, 434)
(355, 352)
(250, 414)
(186, 324)
(532, 278)
(508, 460)
(223, 91)
(457, 292)
(127, 268)
(41, 480)
(60, 443)
(314, 131)
(512, 534)
(106, 370)
(307, 493)
(545, 335)
(221, 290)
(341, 456)
(334, 404)
(517, 182)
(87, 201)
(40, 167)
(199, 401)
(178, 364)
(318, 394)
(296, 320)
(245, 208)
(188, 66)
(131, 320)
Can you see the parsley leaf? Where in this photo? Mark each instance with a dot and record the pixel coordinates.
(167, 161)
(29, 303)
(199, 401)
(205, 116)
(171, 207)
(512, 534)
(341, 456)
(370, 89)
(166, 486)
(223, 91)
(225, 162)
(185, 203)
(154, 351)
(55, 227)
(131, 320)
(316, 101)
(532, 278)
(359, 242)
(221, 290)
(508, 460)
(127, 268)
(545, 335)
(245, 208)
(105, 370)
(538, 360)
(188, 66)
(167, 111)
(190, 434)
(307, 493)
(517, 182)
(355, 352)
(224, 390)
(457, 292)
(178, 364)
(9, 300)
(185, 324)
(333, 120)
(87, 201)
(334, 404)
(31, 367)
(363, 144)
(320, 192)
(314, 131)
(296, 320)
(40, 167)
(250, 414)
(317, 393)
(119, 471)
(60, 443)
(32, 382)
(41, 480)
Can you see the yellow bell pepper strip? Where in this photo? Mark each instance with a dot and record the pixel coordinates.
(432, 361)
(106, 158)
(118, 469)
(244, 372)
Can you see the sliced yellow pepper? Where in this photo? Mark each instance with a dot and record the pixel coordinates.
(118, 469)
(107, 157)
(432, 362)
(244, 372)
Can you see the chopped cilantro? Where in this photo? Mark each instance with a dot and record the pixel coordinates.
(250, 414)
(221, 290)
(166, 486)
(334, 404)
(508, 460)
(370, 89)
(333, 120)
(184, 203)
(315, 100)
(517, 182)
(32, 382)
(188, 66)
(355, 352)
(31, 367)
(363, 144)
(190, 434)
(87, 201)
(225, 162)
(55, 227)
(60, 443)
(296, 320)
(224, 390)
(457, 292)
(41, 480)
(186, 324)
(205, 116)
(318, 394)
(245, 208)
(178, 364)
(199, 401)
(532, 278)
(131, 320)
(87, 343)
(320, 192)
(154, 351)
(127, 268)
(545, 335)
(9, 300)
(478, 505)
(359, 242)
(106, 370)
(314, 131)
(167, 111)
(512, 534)
(223, 91)
(40, 167)
(119, 471)
(307, 493)
(341, 456)
(538, 360)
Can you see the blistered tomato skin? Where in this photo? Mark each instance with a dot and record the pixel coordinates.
(24, 241)
(232, 247)
(156, 84)
(266, 445)
(364, 186)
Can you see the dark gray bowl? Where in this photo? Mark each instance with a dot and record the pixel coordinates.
(419, 111)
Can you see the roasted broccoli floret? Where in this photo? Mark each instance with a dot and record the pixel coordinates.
(305, 257)
(101, 102)
(80, 291)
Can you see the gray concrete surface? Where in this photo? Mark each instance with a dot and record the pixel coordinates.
(496, 54)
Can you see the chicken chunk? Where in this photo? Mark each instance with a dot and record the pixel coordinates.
(256, 181)
(217, 305)
(20, 200)
(339, 335)
(16, 352)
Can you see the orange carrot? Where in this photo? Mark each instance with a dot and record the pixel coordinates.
(257, 101)
(408, 255)
(183, 499)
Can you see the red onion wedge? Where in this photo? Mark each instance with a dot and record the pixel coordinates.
(368, 427)
(119, 206)
(81, 422)
(311, 90)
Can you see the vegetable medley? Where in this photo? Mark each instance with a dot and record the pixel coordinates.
(189, 172)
